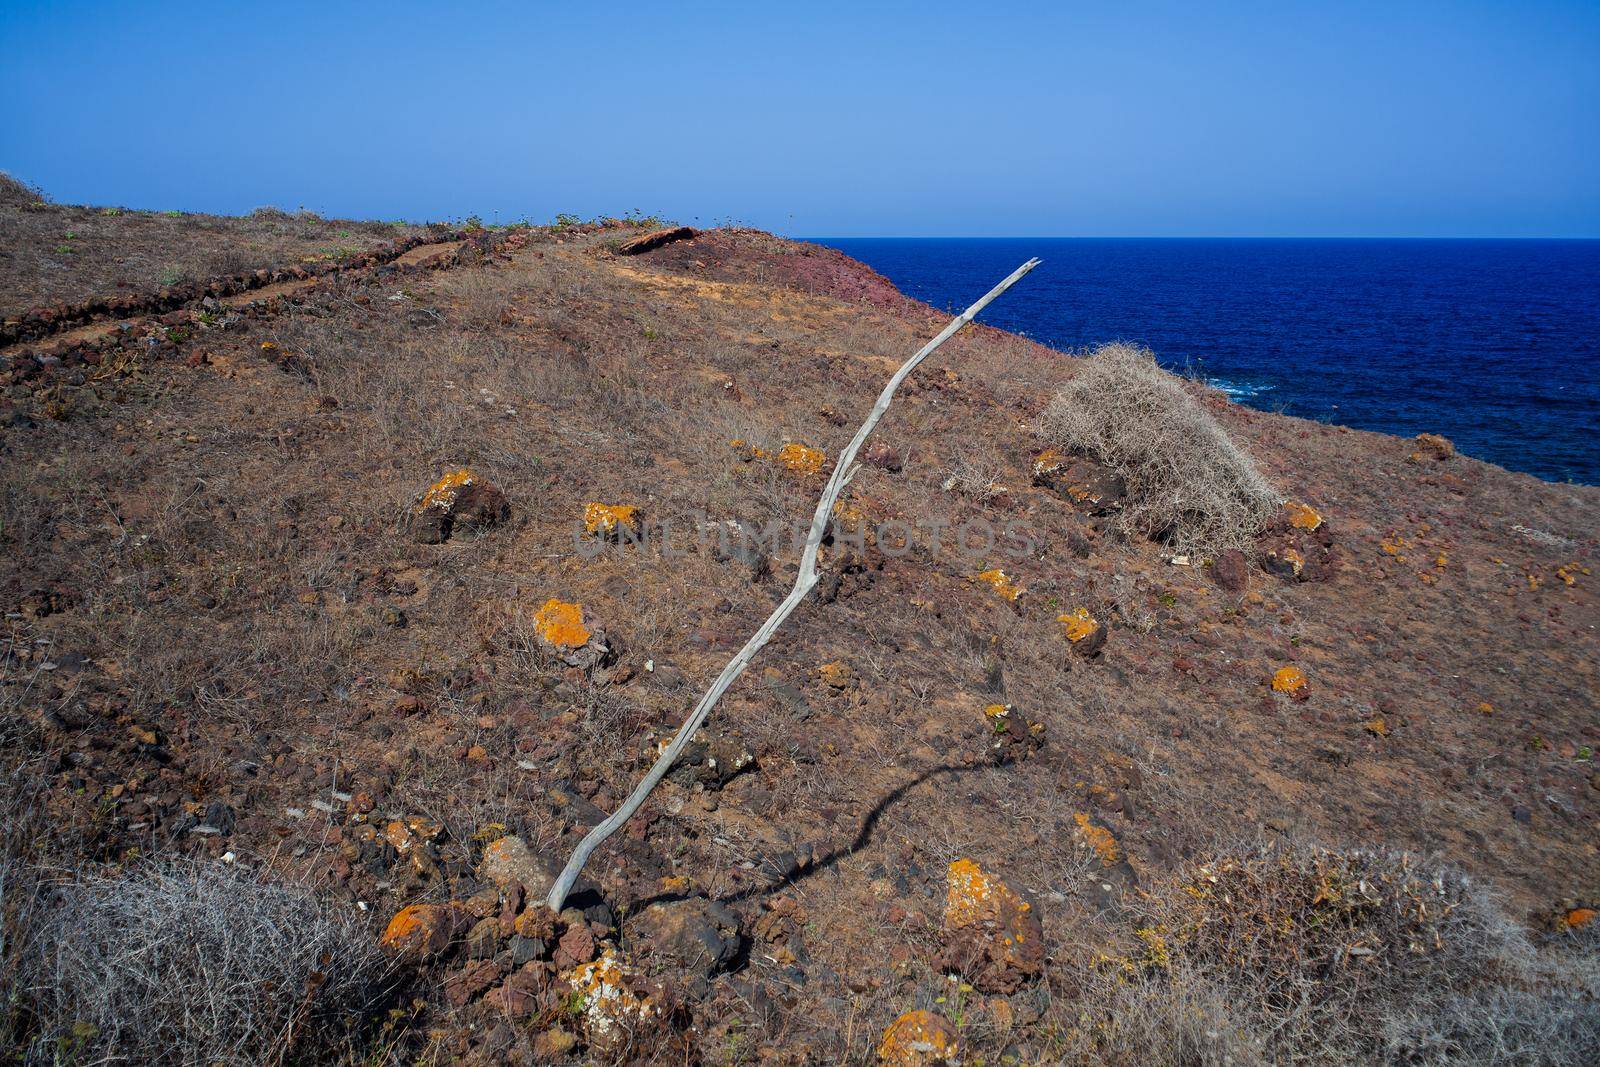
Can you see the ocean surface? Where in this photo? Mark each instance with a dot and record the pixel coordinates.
(1495, 344)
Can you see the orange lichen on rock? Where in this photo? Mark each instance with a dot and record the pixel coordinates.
(1301, 516)
(442, 494)
(1079, 624)
(1395, 545)
(801, 460)
(1579, 917)
(836, 674)
(1099, 840)
(920, 1039)
(423, 930)
(996, 579)
(1485, 707)
(991, 935)
(607, 1000)
(561, 624)
(1376, 727)
(972, 895)
(1288, 680)
(608, 520)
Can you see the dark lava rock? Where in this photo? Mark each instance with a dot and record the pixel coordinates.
(656, 239)
(701, 936)
(1231, 571)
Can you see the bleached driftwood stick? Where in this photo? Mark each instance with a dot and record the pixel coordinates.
(843, 471)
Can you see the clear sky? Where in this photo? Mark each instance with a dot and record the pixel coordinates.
(1099, 119)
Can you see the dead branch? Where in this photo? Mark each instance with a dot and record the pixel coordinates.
(843, 471)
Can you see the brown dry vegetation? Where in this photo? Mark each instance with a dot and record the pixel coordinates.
(215, 614)
(61, 253)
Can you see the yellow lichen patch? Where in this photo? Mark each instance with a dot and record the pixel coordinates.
(1486, 708)
(1579, 917)
(1394, 545)
(836, 674)
(996, 579)
(1376, 727)
(801, 460)
(974, 896)
(1569, 573)
(1099, 840)
(442, 494)
(561, 624)
(1048, 462)
(1301, 516)
(920, 1039)
(1079, 624)
(607, 519)
(1288, 680)
(608, 1003)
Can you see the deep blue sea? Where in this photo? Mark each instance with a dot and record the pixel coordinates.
(1495, 344)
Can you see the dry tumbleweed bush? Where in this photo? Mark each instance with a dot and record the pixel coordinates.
(191, 964)
(1188, 483)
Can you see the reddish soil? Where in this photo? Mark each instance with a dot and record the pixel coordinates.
(222, 635)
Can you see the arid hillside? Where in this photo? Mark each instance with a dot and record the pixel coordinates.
(255, 617)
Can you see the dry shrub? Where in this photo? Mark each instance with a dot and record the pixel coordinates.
(14, 191)
(1188, 483)
(195, 964)
(1302, 954)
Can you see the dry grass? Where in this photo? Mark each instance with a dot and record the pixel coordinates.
(60, 252)
(1300, 954)
(193, 964)
(1188, 483)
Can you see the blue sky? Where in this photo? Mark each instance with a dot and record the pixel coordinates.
(1096, 119)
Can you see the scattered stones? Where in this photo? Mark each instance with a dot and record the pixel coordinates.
(460, 501)
(920, 1039)
(991, 935)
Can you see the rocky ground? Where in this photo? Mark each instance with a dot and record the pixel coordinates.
(254, 611)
